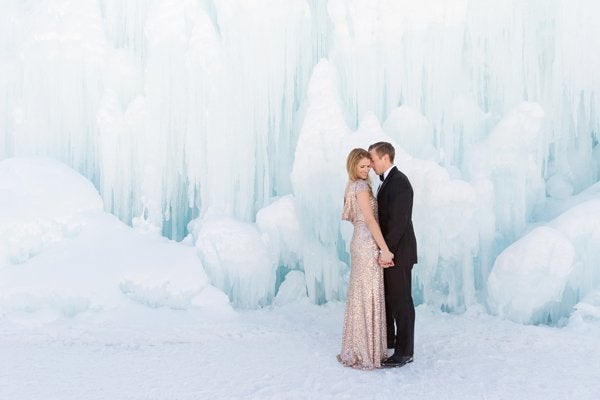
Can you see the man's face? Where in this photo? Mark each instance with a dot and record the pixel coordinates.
(377, 163)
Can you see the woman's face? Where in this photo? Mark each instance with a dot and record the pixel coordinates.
(363, 167)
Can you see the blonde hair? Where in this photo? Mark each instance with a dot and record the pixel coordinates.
(352, 161)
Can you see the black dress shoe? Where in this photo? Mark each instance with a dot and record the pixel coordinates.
(396, 361)
(391, 345)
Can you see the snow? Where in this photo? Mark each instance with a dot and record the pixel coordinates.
(288, 352)
(61, 255)
(172, 174)
(96, 309)
(540, 277)
(236, 258)
(531, 273)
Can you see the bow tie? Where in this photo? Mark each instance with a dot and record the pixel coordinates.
(381, 178)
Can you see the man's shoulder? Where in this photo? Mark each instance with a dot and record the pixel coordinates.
(395, 173)
(400, 179)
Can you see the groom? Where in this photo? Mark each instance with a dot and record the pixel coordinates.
(395, 201)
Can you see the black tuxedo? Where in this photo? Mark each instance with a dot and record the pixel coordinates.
(395, 202)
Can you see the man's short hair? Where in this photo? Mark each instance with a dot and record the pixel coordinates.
(383, 148)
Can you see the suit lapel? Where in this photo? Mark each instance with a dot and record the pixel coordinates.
(387, 179)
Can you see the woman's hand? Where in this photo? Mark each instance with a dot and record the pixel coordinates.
(386, 258)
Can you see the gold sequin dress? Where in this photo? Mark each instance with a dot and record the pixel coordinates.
(364, 337)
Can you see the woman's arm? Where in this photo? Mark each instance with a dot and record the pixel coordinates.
(362, 197)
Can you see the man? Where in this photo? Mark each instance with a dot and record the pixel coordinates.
(395, 201)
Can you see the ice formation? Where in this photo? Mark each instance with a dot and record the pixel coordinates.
(181, 111)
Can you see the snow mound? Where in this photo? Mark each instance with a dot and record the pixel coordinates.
(62, 256)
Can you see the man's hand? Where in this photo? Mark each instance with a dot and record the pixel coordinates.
(385, 264)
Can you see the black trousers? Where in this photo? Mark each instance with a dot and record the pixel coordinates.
(400, 309)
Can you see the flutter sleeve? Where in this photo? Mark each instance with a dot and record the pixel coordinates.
(348, 210)
(361, 186)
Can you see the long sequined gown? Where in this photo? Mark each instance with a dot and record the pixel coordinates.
(364, 336)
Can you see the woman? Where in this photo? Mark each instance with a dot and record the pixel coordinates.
(364, 339)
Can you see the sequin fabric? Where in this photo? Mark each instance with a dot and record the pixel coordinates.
(364, 343)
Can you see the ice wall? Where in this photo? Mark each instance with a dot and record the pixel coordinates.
(62, 256)
(318, 180)
(540, 277)
(169, 107)
(175, 108)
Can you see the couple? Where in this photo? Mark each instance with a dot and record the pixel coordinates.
(383, 250)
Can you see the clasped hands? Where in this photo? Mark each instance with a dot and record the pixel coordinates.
(386, 258)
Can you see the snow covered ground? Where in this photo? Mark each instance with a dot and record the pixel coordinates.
(91, 308)
(288, 352)
(146, 97)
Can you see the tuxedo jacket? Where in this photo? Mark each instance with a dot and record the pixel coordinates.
(395, 202)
